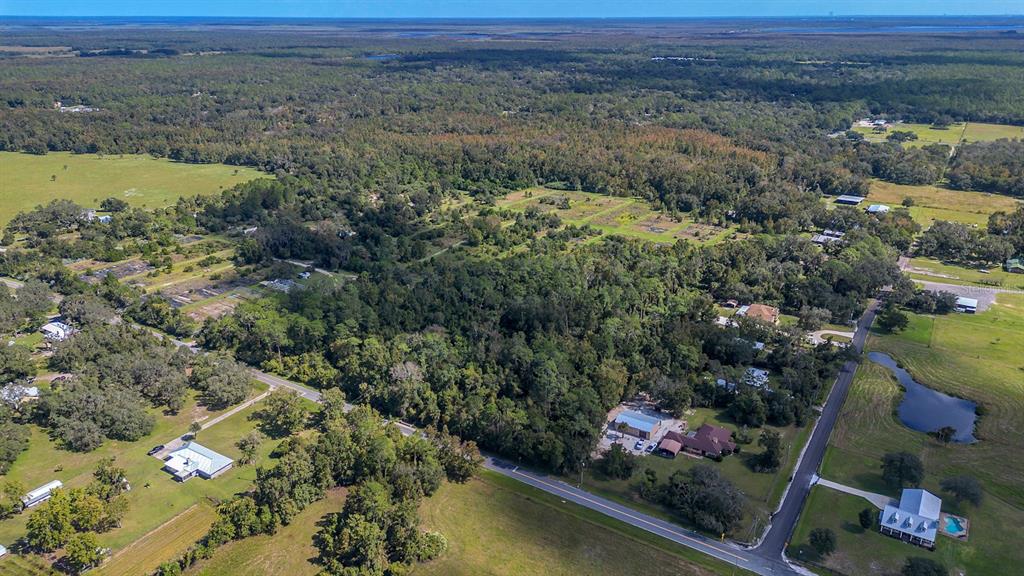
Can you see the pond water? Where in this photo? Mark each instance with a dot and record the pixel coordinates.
(927, 410)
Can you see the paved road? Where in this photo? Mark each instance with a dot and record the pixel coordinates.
(724, 551)
(784, 520)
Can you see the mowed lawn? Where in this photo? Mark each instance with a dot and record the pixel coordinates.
(978, 357)
(933, 203)
(496, 526)
(931, 269)
(155, 498)
(27, 180)
(762, 490)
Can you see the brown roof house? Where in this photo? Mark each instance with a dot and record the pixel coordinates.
(761, 312)
(709, 440)
(671, 444)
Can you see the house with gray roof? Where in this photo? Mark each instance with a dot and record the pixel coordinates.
(194, 459)
(915, 519)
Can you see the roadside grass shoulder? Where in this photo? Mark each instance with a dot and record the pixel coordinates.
(496, 525)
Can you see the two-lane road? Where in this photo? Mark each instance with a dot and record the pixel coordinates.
(784, 520)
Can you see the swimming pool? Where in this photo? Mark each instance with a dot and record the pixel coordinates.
(953, 525)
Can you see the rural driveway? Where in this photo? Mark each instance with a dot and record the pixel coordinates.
(879, 500)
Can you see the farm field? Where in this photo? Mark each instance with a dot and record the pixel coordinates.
(155, 497)
(763, 490)
(497, 526)
(930, 269)
(935, 203)
(955, 134)
(87, 179)
(972, 356)
(631, 217)
(288, 551)
(162, 544)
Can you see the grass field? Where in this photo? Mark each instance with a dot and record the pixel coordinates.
(955, 134)
(155, 497)
(935, 203)
(763, 491)
(631, 217)
(162, 544)
(289, 551)
(930, 269)
(973, 356)
(497, 526)
(27, 180)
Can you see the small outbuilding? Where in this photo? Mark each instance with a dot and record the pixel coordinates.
(878, 209)
(966, 305)
(849, 200)
(670, 444)
(1014, 265)
(41, 494)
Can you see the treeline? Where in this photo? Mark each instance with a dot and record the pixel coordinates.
(989, 167)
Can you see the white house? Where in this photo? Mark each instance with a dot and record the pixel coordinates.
(14, 394)
(57, 331)
(41, 494)
(914, 520)
(878, 209)
(194, 459)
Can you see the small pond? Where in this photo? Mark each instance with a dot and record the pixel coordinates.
(927, 410)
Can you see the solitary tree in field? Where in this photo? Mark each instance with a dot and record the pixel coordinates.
(902, 469)
(963, 488)
(867, 518)
(823, 540)
(248, 446)
(194, 428)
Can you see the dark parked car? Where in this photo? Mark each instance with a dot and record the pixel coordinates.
(154, 450)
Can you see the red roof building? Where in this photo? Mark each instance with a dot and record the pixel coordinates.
(709, 440)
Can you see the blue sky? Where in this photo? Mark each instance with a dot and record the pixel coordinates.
(503, 8)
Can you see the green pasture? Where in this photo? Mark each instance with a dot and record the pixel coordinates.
(977, 357)
(27, 180)
(936, 203)
(935, 271)
(925, 133)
